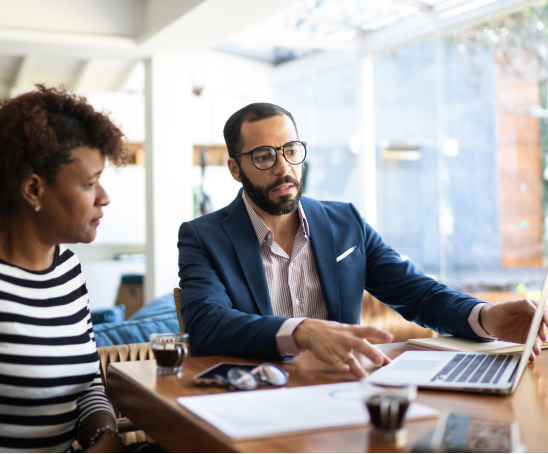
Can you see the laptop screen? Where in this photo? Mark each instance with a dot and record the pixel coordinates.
(533, 331)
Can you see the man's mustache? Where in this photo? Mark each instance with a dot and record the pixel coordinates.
(282, 180)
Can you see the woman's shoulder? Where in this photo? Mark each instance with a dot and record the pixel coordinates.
(64, 254)
(64, 261)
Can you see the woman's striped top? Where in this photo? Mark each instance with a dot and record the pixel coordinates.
(49, 367)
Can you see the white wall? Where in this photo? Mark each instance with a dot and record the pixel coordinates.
(123, 219)
(103, 278)
(123, 227)
(230, 82)
(126, 110)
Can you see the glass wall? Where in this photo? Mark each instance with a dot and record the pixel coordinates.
(324, 107)
(461, 140)
(461, 128)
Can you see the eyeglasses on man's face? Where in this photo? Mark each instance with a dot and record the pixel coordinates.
(265, 157)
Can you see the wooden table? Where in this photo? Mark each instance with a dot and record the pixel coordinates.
(150, 402)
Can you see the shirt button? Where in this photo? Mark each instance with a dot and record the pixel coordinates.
(297, 302)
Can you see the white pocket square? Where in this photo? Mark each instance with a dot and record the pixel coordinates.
(346, 253)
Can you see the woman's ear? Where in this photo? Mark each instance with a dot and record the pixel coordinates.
(32, 190)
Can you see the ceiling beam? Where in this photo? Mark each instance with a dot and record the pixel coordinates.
(78, 76)
(19, 72)
(65, 44)
(208, 23)
(125, 75)
(204, 25)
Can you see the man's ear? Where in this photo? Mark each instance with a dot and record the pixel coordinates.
(234, 169)
(32, 190)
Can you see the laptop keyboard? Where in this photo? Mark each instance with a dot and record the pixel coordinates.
(474, 368)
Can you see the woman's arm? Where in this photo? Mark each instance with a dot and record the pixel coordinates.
(95, 414)
(107, 441)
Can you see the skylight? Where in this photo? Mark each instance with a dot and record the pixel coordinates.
(344, 25)
(312, 25)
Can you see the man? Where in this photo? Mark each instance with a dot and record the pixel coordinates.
(273, 274)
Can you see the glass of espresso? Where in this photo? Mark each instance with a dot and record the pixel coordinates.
(170, 350)
(387, 407)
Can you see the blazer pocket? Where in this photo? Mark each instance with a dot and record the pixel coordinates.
(346, 253)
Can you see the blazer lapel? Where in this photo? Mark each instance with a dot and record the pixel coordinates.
(239, 229)
(323, 246)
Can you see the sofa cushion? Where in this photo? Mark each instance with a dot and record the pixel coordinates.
(159, 306)
(108, 315)
(158, 316)
(134, 331)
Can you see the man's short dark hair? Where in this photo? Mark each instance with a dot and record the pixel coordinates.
(249, 114)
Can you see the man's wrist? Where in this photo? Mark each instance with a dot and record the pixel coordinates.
(301, 334)
(285, 341)
(475, 324)
(482, 312)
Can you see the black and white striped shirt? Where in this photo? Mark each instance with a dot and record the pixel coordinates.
(49, 367)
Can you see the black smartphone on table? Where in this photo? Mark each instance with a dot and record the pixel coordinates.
(217, 375)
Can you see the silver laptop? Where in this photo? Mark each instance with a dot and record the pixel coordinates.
(461, 371)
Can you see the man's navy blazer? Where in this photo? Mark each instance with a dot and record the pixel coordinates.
(225, 301)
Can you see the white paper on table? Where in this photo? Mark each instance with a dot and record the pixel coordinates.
(249, 414)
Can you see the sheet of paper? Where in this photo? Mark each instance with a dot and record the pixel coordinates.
(249, 414)
(467, 345)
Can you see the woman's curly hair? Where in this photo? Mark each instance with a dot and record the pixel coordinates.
(39, 130)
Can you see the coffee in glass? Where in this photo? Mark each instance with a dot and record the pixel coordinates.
(170, 350)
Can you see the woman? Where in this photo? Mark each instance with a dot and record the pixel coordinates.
(53, 147)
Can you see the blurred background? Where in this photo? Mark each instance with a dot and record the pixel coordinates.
(429, 115)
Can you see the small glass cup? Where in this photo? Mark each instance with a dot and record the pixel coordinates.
(170, 350)
(387, 407)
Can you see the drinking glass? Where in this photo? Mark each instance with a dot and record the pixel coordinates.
(170, 350)
(387, 407)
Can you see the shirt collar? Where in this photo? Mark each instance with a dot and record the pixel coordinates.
(262, 231)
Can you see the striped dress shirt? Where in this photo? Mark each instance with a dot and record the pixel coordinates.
(293, 282)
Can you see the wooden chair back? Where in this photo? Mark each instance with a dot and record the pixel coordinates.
(121, 353)
(177, 298)
(375, 313)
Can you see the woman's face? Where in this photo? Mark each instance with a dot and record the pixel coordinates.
(72, 207)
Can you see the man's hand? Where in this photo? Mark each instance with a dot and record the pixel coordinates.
(510, 322)
(338, 344)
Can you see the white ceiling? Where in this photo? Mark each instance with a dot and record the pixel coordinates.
(97, 45)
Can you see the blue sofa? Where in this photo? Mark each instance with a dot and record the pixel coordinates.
(158, 316)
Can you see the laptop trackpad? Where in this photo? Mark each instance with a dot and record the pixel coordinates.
(419, 366)
(412, 367)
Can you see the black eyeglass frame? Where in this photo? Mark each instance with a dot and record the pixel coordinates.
(276, 149)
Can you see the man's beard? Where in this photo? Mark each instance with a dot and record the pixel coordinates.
(259, 195)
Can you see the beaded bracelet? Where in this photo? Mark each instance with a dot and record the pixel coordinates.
(103, 430)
